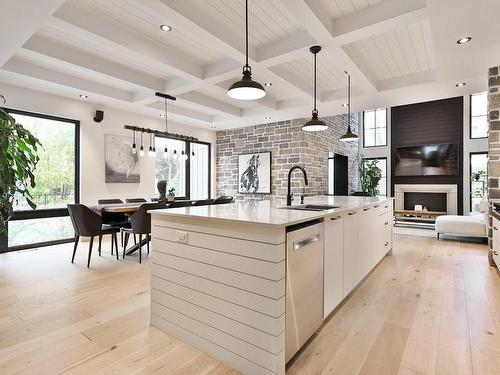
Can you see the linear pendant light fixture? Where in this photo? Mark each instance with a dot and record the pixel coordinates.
(246, 88)
(349, 136)
(315, 124)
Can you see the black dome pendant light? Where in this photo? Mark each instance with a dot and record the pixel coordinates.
(349, 136)
(246, 89)
(315, 124)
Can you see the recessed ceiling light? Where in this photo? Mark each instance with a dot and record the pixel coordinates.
(83, 96)
(268, 84)
(460, 84)
(166, 28)
(465, 40)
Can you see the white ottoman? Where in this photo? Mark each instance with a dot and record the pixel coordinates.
(475, 225)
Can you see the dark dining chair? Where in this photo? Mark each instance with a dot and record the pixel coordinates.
(154, 199)
(135, 200)
(140, 222)
(88, 223)
(109, 201)
(203, 202)
(176, 204)
(223, 199)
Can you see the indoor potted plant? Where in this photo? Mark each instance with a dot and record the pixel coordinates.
(18, 160)
(369, 175)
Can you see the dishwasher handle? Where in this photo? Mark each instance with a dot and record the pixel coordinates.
(297, 245)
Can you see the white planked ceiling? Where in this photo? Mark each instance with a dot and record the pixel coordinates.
(397, 51)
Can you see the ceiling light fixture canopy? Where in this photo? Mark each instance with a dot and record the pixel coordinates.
(246, 88)
(166, 28)
(349, 136)
(314, 124)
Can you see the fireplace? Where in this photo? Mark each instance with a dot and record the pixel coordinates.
(436, 197)
(430, 201)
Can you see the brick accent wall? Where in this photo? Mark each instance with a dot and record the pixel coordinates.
(289, 146)
(493, 144)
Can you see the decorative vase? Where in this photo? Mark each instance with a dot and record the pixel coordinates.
(162, 189)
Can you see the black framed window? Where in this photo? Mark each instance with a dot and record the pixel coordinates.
(382, 185)
(185, 165)
(375, 127)
(57, 183)
(479, 115)
(478, 178)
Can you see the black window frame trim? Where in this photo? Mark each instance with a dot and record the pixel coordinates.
(46, 212)
(470, 117)
(386, 132)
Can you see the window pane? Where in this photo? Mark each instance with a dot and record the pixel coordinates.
(380, 137)
(479, 127)
(369, 137)
(25, 232)
(479, 104)
(171, 166)
(369, 119)
(381, 118)
(478, 178)
(55, 172)
(199, 171)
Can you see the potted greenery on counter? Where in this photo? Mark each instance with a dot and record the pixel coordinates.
(18, 160)
(369, 175)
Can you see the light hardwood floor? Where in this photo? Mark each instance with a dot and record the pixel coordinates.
(433, 307)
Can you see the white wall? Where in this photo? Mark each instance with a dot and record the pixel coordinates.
(92, 185)
(470, 145)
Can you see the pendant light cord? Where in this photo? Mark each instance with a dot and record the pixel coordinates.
(348, 101)
(315, 110)
(246, 33)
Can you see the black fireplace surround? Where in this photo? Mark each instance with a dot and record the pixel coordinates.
(432, 201)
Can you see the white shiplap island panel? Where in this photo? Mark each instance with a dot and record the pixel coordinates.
(221, 288)
(218, 275)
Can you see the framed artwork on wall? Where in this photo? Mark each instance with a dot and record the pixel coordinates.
(254, 173)
(121, 165)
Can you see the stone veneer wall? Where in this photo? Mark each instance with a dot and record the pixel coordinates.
(493, 144)
(289, 146)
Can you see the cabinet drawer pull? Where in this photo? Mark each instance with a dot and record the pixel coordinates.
(495, 228)
(386, 223)
(366, 209)
(351, 213)
(495, 252)
(376, 206)
(386, 206)
(300, 244)
(335, 218)
(387, 243)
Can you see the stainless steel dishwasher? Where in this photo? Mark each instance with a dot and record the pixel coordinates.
(304, 281)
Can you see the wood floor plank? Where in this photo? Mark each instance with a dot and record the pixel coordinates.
(433, 307)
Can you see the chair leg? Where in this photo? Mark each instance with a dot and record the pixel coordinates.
(90, 250)
(100, 241)
(116, 245)
(135, 240)
(77, 238)
(121, 238)
(149, 238)
(140, 248)
(127, 235)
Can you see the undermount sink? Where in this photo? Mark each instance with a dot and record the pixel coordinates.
(310, 207)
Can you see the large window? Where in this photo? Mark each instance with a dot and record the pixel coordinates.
(478, 178)
(56, 179)
(185, 166)
(479, 115)
(375, 127)
(382, 185)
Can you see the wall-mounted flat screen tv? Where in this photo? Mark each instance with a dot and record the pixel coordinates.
(426, 160)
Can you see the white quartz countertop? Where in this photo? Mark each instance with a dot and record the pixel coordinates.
(268, 212)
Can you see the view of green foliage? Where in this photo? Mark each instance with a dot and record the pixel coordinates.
(370, 175)
(18, 159)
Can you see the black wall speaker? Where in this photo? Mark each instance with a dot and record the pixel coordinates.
(99, 116)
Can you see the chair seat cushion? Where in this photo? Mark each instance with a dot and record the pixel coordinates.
(474, 225)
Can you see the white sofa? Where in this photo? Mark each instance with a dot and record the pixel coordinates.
(474, 225)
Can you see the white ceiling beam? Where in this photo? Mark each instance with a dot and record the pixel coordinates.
(90, 61)
(20, 20)
(18, 66)
(408, 80)
(115, 37)
(378, 19)
(284, 50)
(210, 103)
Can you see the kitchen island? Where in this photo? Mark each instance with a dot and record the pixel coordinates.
(239, 282)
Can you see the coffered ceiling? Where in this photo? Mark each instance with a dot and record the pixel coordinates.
(113, 51)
